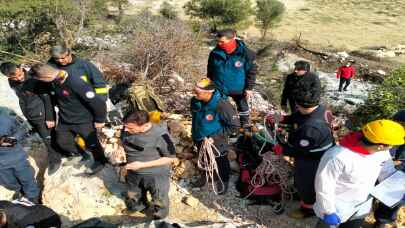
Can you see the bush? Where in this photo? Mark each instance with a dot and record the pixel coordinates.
(220, 13)
(32, 26)
(160, 46)
(168, 11)
(385, 100)
(268, 14)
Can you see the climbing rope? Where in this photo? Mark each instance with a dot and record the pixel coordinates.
(207, 162)
(273, 169)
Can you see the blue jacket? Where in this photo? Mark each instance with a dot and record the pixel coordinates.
(9, 156)
(215, 117)
(232, 73)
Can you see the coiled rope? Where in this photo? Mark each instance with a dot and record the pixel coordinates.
(273, 169)
(207, 162)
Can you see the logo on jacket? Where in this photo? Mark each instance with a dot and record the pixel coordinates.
(65, 93)
(238, 64)
(304, 143)
(209, 117)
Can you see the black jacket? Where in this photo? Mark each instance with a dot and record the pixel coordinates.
(86, 71)
(78, 103)
(34, 100)
(310, 136)
(294, 82)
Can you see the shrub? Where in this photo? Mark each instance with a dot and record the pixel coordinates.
(268, 14)
(32, 26)
(386, 99)
(168, 11)
(220, 13)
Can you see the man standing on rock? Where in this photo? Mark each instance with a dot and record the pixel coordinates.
(150, 151)
(63, 59)
(36, 105)
(347, 173)
(232, 67)
(81, 112)
(308, 140)
(345, 73)
(295, 81)
(214, 119)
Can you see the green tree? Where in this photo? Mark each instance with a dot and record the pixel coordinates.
(268, 14)
(32, 26)
(167, 10)
(220, 13)
(384, 100)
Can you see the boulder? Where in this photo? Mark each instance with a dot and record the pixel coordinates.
(78, 197)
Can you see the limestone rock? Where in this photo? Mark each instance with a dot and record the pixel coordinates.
(186, 169)
(78, 197)
(190, 201)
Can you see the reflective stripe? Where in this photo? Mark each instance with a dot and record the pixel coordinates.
(322, 148)
(84, 78)
(101, 90)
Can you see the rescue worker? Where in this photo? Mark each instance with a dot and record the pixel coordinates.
(310, 136)
(232, 67)
(345, 73)
(214, 118)
(63, 59)
(36, 106)
(294, 81)
(20, 214)
(16, 172)
(150, 151)
(81, 112)
(348, 172)
(385, 215)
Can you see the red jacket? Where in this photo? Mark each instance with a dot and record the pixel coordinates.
(345, 72)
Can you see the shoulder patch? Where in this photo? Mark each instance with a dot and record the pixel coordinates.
(90, 94)
(304, 143)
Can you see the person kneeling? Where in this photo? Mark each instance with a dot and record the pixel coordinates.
(150, 151)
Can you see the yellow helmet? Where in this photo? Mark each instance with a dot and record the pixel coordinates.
(385, 132)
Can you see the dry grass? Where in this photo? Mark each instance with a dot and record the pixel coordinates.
(346, 24)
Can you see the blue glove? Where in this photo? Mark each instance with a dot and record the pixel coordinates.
(331, 219)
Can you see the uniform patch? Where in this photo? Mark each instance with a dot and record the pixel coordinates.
(65, 93)
(209, 117)
(238, 64)
(295, 126)
(304, 143)
(90, 94)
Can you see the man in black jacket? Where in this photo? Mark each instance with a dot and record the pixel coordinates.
(81, 112)
(36, 105)
(63, 59)
(294, 81)
(308, 140)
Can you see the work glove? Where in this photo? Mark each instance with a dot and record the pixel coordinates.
(331, 219)
(278, 149)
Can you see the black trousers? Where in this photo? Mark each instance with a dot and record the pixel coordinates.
(48, 136)
(356, 223)
(304, 178)
(65, 138)
(344, 82)
(385, 214)
(243, 108)
(157, 185)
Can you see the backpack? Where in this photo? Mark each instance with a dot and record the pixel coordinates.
(142, 97)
